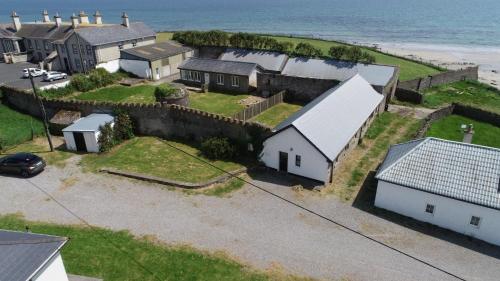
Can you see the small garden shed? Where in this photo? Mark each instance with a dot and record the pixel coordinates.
(83, 134)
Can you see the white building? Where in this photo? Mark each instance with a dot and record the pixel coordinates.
(312, 141)
(83, 135)
(449, 184)
(28, 256)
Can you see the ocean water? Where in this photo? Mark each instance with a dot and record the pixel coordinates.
(447, 22)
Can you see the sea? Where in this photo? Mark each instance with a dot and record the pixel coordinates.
(442, 22)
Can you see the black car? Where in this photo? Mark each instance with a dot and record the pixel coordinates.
(24, 164)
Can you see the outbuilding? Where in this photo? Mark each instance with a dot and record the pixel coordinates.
(450, 184)
(311, 142)
(83, 134)
(155, 61)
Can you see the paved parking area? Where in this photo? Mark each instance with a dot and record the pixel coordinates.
(253, 226)
(11, 75)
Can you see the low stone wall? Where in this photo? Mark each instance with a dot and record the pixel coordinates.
(409, 96)
(436, 115)
(150, 119)
(420, 84)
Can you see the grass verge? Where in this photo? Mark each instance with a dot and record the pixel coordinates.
(16, 128)
(40, 147)
(90, 253)
(220, 190)
(219, 103)
(276, 114)
(449, 128)
(119, 93)
(156, 157)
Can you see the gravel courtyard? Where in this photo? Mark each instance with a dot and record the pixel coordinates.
(252, 226)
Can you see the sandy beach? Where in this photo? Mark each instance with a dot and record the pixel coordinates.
(452, 57)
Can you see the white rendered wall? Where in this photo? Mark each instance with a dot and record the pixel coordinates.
(70, 141)
(111, 66)
(91, 141)
(449, 213)
(137, 67)
(53, 271)
(313, 164)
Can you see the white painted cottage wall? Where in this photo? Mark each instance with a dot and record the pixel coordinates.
(449, 213)
(313, 164)
(53, 271)
(111, 66)
(137, 67)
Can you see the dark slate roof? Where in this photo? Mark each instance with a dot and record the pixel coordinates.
(157, 51)
(47, 31)
(377, 75)
(461, 171)
(106, 34)
(22, 254)
(7, 31)
(90, 123)
(273, 61)
(219, 66)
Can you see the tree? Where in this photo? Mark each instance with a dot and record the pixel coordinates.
(366, 57)
(106, 139)
(337, 52)
(354, 54)
(284, 47)
(307, 50)
(123, 129)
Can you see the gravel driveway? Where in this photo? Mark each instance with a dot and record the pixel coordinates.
(251, 226)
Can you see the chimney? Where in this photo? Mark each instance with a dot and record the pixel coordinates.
(83, 17)
(58, 20)
(126, 22)
(74, 21)
(16, 21)
(45, 16)
(98, 17)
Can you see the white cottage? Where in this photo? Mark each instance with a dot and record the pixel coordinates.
(83, 134)
(449, 184)
(312, 141)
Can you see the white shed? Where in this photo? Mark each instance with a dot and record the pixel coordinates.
(449, 184)
(310, 142)
(83, 134)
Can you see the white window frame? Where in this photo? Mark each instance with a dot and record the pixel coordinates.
(432, 207)
(220, 79)
(479, 219)
(298, 160)
(189, 75)
(235, 81)
(197, 76)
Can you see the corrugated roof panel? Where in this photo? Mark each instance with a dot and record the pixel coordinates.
(219, 66)
(89, 123)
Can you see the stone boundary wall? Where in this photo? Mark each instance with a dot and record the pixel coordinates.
(409, 96)
(436, 115)
(256, 109)
(149, 119)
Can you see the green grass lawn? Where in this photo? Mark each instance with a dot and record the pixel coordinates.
(276, 114)
(408, 69)
(466, 92)
(119, 93)
(449, 128)
(90, 253)
(153, 156)
(16, 128)
(220, 103)
(164, 36)
(41, 148)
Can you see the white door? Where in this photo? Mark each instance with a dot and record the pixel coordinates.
(166, 70)
(157, 73)
(207, 78)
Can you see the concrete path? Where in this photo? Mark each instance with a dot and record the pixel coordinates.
(252, 226)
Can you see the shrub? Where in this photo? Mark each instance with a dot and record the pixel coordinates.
(368, 58)
(218, 148)
(354, 53)
(307, 50)
(81, 83)
(284, 47)
(167, 91)
(59, 92)
(106, 139)
(123, 129)
(337, 52)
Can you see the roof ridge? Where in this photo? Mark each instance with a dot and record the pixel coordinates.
(423, 140)
(33, 241)
(465, 144)
(210, 59)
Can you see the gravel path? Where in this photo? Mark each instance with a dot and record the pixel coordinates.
(251, 226)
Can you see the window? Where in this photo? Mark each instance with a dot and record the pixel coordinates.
(189, 75)
(47, 46)
(89, 50)
(75, 49)
(475, 221)
(220, 79)
(63, 49)
(298, 160)
(183, 75)
(429, 209)
(30, 44)
(37, 46)
(77, 63)
(197, 76)
(235, 81)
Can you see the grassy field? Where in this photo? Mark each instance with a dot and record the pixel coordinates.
(90, 252)
(225, 104)
(465, 92)
(16, 128)
(153, 156)
(449, 128)
(408, 69)
(40, 147)
(276, 114)
(135, 94)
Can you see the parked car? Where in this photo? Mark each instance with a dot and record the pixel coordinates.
(24, 164)
(35, 72)
(54, 75)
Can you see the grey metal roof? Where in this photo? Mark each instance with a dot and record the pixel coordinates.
(273, 61)
(106, 34)
(330, 121)
(22, 254)
(457, 170)
(157, 51)
(378, 75)
(89, 123)
(219, 66)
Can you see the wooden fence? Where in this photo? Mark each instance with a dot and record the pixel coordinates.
(256, 109)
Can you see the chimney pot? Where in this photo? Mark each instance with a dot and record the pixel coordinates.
(74, 21)
(125, 19)
(84, 18)
(98, 17)
(58, 20)
(45, 16)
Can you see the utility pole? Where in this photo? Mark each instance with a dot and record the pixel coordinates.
(42, 109)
